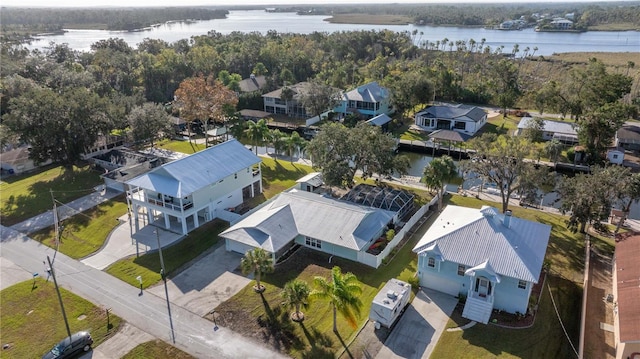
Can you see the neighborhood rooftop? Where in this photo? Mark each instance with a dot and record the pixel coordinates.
(470, 236)
(371, 92)
(628, 285)
(550, 126)
(455, 111)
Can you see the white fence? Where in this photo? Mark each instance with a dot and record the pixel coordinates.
(375, 261)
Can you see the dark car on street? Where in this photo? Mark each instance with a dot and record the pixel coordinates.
(69, 347)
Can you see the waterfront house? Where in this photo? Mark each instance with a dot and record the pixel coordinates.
(461, 118)
(336, 227)
(188, 192)
(490, 258)
(366, 101)
(564, 132)
(276, 103)
(626, 297)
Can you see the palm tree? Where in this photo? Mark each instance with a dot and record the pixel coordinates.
(257, 262)
(437, 173)
(342, 291)
(257, 132)
(296, 294)
(292, 143)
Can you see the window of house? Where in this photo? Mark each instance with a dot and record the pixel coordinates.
(312, 242)
(522, 284)
(459, 125)
(461, 270)
(615, 157)
(431, 262)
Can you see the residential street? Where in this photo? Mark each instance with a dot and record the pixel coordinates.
(148, 312)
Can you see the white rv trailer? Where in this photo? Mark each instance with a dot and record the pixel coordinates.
(389, 303)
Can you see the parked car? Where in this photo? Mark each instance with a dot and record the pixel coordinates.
(70, 347)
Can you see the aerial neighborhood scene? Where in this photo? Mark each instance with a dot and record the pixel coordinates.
(361, 179)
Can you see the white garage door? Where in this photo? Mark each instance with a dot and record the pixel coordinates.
(440, 284)
(233, 246)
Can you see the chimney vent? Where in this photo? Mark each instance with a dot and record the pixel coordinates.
(507, 219)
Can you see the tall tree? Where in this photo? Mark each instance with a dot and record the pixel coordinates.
(534, 129)
(588, 197)
(437, 173)
(257, 132)
(59, 126)
(147, 121)
(292, 143)
(597, 129)
(553, 149)
(505, 83)
(296, 294)
(318, 97)
(500, 160)
(200, 98)
(257, 262)
(343, 293)
(629, 194)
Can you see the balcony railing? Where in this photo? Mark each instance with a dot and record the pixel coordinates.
(483, 297)
(170, 205)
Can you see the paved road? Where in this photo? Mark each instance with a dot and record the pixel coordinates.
(148, 312)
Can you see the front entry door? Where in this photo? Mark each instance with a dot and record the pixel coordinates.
(483, 287)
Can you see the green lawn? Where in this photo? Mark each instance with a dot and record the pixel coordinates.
(27, 195)
(500, 125)
(31, 321)
(545, 339)
(175, 256)
(180, 146)
(280, 175)
(85, 232)
(156, 349)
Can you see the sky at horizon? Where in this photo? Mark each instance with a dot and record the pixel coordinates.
(164, 3)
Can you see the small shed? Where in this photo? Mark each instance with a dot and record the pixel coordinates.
(381, 121)
(310, 182)
(389, 303)
(615, 156)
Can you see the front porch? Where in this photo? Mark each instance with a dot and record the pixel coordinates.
(483, 280)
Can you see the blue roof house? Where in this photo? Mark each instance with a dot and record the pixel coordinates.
(336, 227)
(193, 190)
(461, 118)
(491, 258)
(367, 101)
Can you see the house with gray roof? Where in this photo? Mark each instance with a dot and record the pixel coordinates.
(565, 132)
(193, 190)
(326, 224)
(253, 83)
(461, 118)
(491, 258)
(367, 101)
(628, 137)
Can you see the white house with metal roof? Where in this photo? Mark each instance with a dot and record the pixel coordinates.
(491, 258)
(461, 118)
(565, 132)
(196, 189)
(336, 227)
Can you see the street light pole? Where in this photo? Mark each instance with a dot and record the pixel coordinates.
(166, 290)
(55, 282)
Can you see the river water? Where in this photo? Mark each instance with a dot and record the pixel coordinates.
(260, 21)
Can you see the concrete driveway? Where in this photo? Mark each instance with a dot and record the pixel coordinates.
(127, 338)
(419, 329)
(208, 282)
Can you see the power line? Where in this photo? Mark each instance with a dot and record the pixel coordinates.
(560, 320)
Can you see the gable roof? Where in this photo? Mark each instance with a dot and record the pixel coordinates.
(298, 90)
(313, 178)
(454, 112)
(182, 177)
(628, 285)
(449, 135)
(312, 215)
(551, 126)
(379, 120)
(371, 92)
(472, 236)
(253, 83)
(628, 134)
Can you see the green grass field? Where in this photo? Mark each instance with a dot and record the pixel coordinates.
(27, 195)
(175, 256)
(181, 146)
(156, 349)
(85, 232)
(31, 321)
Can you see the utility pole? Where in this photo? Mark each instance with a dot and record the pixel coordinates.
(166, 290)
(55, 282)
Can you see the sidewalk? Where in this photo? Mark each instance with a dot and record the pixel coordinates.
(45, 219)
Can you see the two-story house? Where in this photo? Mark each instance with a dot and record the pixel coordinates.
(287, 100)
(367, 101)
(461, 118)
(193, 190)
(491, 258)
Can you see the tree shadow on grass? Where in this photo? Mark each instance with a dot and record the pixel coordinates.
(321, 344)
(278, 330)
(345, 346)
